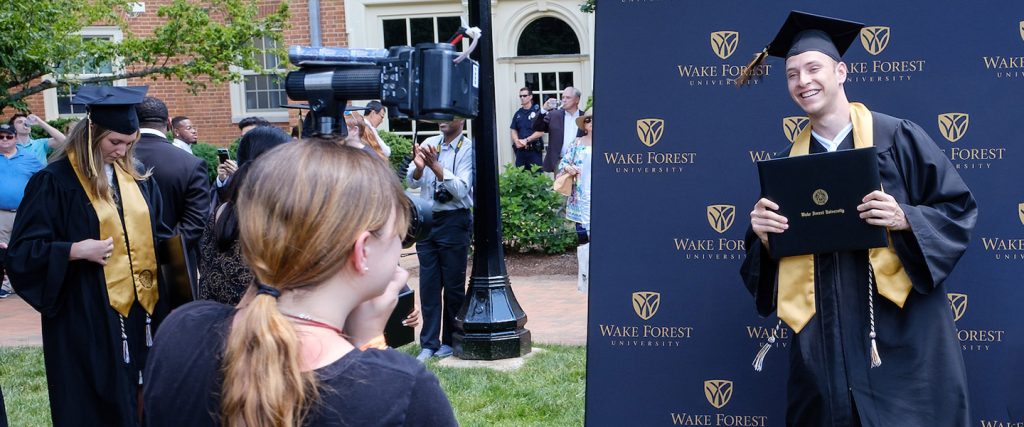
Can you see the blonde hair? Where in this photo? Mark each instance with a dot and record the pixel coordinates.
(300, 210)
(366, 135)
(78, 142)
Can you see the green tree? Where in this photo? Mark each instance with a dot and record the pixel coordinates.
(197, 42)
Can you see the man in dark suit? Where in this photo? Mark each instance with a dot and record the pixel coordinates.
(560, 125)
(182, 178)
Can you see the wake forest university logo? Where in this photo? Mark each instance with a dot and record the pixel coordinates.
(721, 217)
(958, 303)
(953, 126)
(724, 43)
(646, 303)
(793, 125)
(972, 339)
(645, 334)
(650, 130)
(718, 392)
(874, 39)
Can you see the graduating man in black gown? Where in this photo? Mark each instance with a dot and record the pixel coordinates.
(875, 342)
(82, 253)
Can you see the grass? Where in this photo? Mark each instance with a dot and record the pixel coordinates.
(23, 378)
(546, 391)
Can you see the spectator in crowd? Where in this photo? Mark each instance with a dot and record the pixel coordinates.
(249, 123)
(375, 114)
(182, 178)
(442, 168)
(41, 147)
(17, 165)
(223, 275)
(83, 254)
(321, 225)
(851, 310)
(577, 163)
(560, 125)
(360, 135)
(185, 134)
(229, 167)
(529, 151)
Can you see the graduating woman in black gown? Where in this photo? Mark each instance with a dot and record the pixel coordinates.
(82, 253)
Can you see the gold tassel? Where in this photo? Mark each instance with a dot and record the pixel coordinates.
(88, 130)
(748, 72)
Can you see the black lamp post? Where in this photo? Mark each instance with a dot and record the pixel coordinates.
(491, 320)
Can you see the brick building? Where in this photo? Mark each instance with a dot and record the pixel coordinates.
(543, 44)
(217, 109)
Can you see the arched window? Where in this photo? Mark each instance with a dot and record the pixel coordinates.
(548, 36)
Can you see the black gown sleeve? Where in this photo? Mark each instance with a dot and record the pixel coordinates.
(940, 209)
(37, 260)
(758, 271)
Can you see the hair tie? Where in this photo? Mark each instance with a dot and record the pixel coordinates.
(267, 290)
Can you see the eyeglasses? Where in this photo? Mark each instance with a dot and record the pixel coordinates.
(6, 136)
(524, 96)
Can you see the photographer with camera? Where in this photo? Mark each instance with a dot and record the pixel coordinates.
(443, 169)
(528, 149)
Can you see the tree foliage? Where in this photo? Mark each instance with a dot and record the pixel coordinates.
(196, 42)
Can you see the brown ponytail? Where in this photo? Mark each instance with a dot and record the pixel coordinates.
(300, 210)
(263, 381)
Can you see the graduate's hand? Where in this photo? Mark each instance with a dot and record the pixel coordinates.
(571, 170)
(764, 220)
(882, 210)
(92, 250)
(368, 319)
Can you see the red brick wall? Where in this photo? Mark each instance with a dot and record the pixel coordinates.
(210, 109)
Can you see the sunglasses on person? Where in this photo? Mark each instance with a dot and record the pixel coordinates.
(524, 96)
(6, 136)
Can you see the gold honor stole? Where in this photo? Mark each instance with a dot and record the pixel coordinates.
(131, 269)
(796, 273)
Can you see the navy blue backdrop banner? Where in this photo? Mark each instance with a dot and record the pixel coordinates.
(672, 330)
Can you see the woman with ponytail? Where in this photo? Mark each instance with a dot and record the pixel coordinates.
(320, 225)
(83, 254)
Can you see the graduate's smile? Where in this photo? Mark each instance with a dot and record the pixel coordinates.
(809, 93)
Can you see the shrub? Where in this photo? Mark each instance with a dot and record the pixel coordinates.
(529, 213)
(401, 151)
(208, 153)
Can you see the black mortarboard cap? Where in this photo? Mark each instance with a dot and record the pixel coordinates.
(112, 107)
(805, 32)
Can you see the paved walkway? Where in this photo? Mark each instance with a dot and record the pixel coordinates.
(556, 312)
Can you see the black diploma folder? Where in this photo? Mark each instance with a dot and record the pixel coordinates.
(395, 333)
(174, 271)
(819, 194)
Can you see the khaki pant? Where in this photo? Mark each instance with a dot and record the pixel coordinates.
(6, 224)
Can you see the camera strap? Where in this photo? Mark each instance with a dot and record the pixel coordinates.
(455, 157)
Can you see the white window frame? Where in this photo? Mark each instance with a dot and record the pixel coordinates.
(236, 91)
(50, 106)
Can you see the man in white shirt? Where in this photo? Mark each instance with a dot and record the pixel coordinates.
(185, 134)
(443, 170)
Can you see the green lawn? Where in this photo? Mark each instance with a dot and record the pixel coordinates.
(547, 391)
